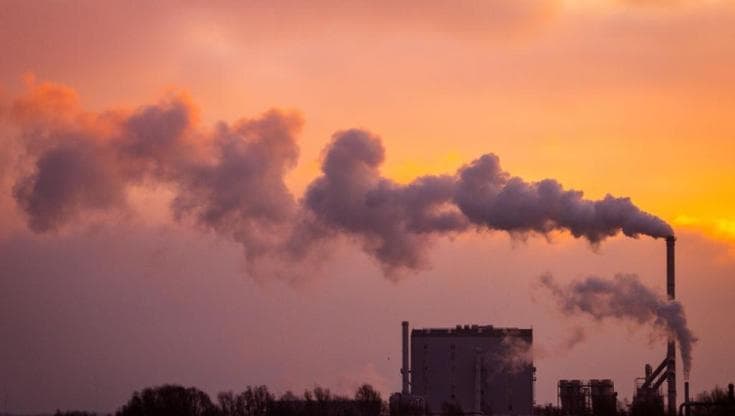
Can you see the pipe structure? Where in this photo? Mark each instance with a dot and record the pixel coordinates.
(670, 267)
(652, 375)
(671, 346)
(404, 363)
(478, 383)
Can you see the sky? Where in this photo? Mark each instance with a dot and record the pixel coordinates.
(130, 271)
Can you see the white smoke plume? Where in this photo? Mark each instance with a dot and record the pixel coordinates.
(490, 197)
(516, 354)
(230, 179)
(627, 299)
(395, 222)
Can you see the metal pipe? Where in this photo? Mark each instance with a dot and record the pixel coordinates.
(404, 364)
(478, 383)
(651, 375)
(670, 267)
(671, 346)
(656, 384)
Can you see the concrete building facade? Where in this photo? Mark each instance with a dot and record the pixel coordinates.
(474, 369)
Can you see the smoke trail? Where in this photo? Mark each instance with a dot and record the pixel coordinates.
(513, 355)
(516, 354)
(230, 180)
(490, 197)
(575, 337)
(396, 221)
(625, 298)
(393, 221)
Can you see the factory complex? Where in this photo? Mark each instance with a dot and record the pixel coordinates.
(487, 370)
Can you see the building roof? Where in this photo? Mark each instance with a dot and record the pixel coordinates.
(473, 330)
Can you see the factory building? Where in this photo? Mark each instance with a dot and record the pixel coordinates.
(470, 369)
(596, 397)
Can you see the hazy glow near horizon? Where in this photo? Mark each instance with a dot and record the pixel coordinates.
(627, 97)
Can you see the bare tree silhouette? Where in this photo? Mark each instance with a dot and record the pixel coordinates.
(169, 400)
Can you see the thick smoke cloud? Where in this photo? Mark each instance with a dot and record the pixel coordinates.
(69, 178)
(394, 221)
(625, 298)
(491, 197)
(241, 192)
(230, 180)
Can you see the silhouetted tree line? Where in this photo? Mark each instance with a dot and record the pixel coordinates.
(716, 402)
(74, 413)
(173, 400)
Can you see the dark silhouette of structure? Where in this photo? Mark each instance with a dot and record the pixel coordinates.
(648, 398)
(596, 397)
(712, 403)
(573, 397)
(671, 346)
(468, 369)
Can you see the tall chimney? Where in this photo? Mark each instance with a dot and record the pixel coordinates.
(404, 364)
(686, 398)
(671, 347)
(670, 272)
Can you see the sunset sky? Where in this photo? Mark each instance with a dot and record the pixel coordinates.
(634, 98)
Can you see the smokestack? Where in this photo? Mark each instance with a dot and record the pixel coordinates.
(404, 365)
(686, 398)
(670, 273)
(671, 347)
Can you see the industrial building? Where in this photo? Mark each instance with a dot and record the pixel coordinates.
(472, 369)
(579, 398)
(647, 394)
(484, 370)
